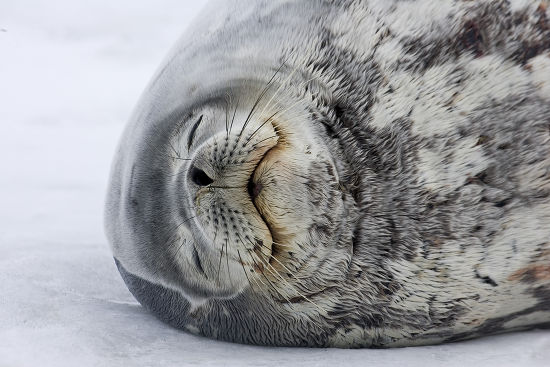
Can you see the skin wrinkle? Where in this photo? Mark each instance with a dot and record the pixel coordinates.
(404, 166)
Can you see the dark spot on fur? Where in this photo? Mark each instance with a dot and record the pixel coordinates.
(355, 241)
(482, 176)
(471, 38)
(482, 139)
(501, 203)
(531, 274)
(528, 51)
(485, 279)
(504, 146)
(338, 111)
(535, 46)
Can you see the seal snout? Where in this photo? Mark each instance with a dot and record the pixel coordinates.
(230, 239)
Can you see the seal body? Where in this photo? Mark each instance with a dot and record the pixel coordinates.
(342, 173)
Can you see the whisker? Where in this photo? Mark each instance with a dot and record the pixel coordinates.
(227, 261)
(180, 246)
(173, 149)
(291, 106)
(160, 151)
(274, 95)
(277, 291)
(264, 246)
(283, 265)
(269, 267)
(227, 104)
(221, 255)
(226, 187)
(290, 249)
(281, 244)
(179, 225)
(279, 89)
(258, 129)
(266, 278)
(264, 91)
(244, 270)
(234, 113)
(261, 141)
(270, 118)
(260, 268)
(220, 264)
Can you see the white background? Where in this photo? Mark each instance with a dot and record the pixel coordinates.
(70, 74)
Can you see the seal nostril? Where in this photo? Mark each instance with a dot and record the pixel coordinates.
(199, 177)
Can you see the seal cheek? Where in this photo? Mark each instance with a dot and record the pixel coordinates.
(280, 192)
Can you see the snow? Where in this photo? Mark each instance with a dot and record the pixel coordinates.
(70, 74)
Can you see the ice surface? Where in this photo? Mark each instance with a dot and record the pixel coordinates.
(70, 73)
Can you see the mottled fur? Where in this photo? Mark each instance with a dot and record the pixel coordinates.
(420, 174)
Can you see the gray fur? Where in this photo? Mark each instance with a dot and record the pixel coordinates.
(418, 199)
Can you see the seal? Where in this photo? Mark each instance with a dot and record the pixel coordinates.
(342, 173)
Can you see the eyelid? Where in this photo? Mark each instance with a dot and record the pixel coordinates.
(192, 132)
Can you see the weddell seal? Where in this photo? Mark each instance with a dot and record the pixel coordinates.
(342, 173)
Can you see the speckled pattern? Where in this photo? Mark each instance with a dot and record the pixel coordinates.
(419, 130)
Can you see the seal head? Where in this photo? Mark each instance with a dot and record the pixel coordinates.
(342, 173)
(233, 200)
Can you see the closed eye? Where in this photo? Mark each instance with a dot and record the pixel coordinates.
(192, 132)
(197, 261)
